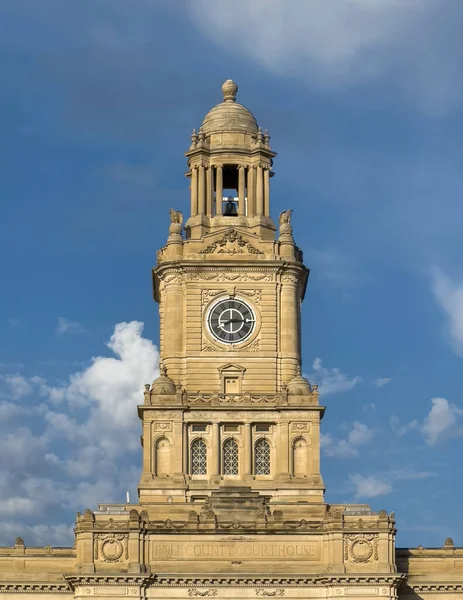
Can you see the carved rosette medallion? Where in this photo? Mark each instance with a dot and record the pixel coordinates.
(361, 548)
(111, 547)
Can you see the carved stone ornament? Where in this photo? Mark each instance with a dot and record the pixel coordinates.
(162, 426)
(230, 276)
(301, 426)
(231, 243)
(195, 593)
(279, 581)
(207, 295)
(263, 593)
(111, 546)
(361, 547)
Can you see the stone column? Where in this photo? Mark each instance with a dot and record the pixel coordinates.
(267, 192)
(289, 330)
(186, 450)
(259, 192)
(283, 449)
(209, 191)
(219, 190)
(148, 449)
(194, 191)
(241, 191)
(215, 449)
(251, 191)
(201, 190)
(247, 449)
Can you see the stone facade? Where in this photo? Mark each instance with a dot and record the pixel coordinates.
(231, 498)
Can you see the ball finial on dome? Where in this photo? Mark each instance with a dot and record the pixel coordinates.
(229, 89)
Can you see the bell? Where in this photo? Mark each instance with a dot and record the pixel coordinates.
(230, 208)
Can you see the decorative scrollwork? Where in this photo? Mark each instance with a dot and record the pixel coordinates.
(231, 243)
(195, 593)
(262, 592)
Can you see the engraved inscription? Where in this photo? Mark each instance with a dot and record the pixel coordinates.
(245, 550)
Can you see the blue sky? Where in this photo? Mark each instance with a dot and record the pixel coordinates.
(363, 103)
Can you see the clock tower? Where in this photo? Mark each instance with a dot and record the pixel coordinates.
(230, 407)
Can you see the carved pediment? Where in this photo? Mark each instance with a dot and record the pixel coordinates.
(231, 243)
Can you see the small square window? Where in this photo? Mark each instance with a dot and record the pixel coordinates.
(231, 428)
(263, 428)
(199, 427)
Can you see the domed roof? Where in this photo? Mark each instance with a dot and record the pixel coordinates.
(229, 115)
(163, 385)
(299, 386)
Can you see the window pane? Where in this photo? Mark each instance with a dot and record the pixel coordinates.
(230, 458)
(198, 458)
(262, 457)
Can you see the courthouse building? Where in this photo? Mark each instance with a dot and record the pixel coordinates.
(231, 496)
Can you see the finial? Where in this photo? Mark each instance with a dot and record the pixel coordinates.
(259, 134)
(229, 89)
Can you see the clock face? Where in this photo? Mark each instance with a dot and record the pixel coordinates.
(231, 321)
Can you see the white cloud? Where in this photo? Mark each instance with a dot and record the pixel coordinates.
(16, 385)
(443, 421)
(331, 381)
(83, 453)
(370, 487)
(449, 295)
(400, 429)
(358, 435)
(342, 43)
(381, 381)
(67, 327)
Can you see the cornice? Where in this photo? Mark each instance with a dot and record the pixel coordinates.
(34, 588)
(77, 580)
(435, 588)
(329, 580)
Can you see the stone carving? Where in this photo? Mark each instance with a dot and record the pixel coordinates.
(19, 542)
(285, 218)
(237, 525)
(302, 524)
(231, 416)
(175, 227)
(176, 217)
(262, 592)
(301, 426)
(288, 278)
(361, 548)
(195, 593)
(207, 295)
(235, 538)
(206, 347)
(231, 276)
(256, 294)
(253, 346)
(172, 275)
(231, 243)
(294, 581)
(112, 547)
(162, 426)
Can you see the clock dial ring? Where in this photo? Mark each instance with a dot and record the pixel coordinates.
(231, 321)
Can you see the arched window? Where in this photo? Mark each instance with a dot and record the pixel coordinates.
(262, 457)
(198, 457)
(162, 457)
(300, 458)
(230, 457)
